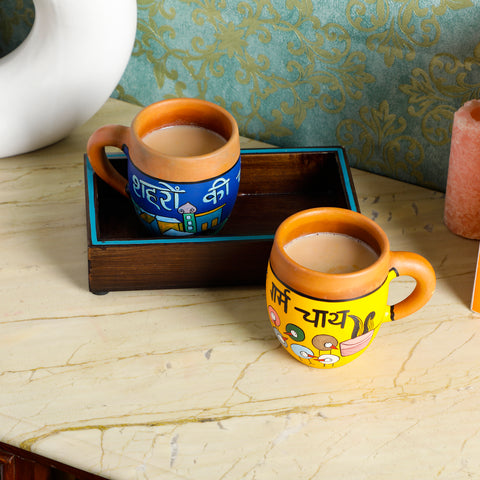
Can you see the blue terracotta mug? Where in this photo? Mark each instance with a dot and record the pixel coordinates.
(176, 189)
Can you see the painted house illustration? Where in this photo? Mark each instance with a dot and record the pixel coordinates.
(192, 222)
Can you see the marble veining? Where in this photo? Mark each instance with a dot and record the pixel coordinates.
(191, 384)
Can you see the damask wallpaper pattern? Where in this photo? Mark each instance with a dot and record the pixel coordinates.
(383, 78)
(16, 18)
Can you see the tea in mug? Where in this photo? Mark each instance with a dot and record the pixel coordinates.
(184, 140)
(185, 181)
(330, 252)
(326, 320)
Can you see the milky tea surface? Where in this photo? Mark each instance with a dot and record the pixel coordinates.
(183, 140)
(331, 252)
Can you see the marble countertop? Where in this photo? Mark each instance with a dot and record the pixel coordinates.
(192, 384)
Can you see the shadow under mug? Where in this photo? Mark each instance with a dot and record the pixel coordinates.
(327, 320)
(173, 195)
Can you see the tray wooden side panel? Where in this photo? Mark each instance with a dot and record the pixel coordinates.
(306, 172)
(167, 266)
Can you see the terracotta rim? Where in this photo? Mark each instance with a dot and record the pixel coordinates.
(325, 285)
(184, 111)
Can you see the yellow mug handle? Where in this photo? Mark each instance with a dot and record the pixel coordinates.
(416, 266)
(108, 136)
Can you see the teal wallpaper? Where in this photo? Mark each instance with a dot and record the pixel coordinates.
(383, 78)
(16, 18)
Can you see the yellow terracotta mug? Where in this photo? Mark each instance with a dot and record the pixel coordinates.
(327, 285)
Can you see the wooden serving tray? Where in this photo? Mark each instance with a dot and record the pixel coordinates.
(275, 183)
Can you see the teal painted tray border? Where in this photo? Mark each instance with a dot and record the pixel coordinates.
(352, 204)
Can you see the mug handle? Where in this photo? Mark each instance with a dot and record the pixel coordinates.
(416, 266)
(108, 136)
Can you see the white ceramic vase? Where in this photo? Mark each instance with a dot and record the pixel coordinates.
(67, 67)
